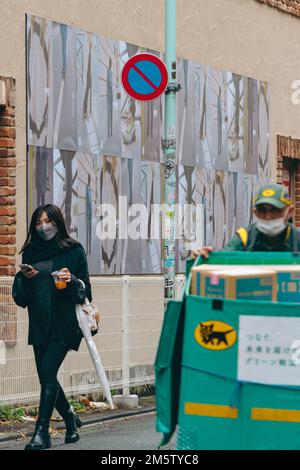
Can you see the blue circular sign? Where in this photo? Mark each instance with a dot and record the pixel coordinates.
(144, 77)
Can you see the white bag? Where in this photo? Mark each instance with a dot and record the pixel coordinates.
(87, 316)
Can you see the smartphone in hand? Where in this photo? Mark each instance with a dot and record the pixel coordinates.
(25, 268)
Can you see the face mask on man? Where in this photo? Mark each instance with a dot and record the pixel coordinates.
(271, 228)
(47, 231)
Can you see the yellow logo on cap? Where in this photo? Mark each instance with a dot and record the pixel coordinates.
(268, 192)
(215, 335)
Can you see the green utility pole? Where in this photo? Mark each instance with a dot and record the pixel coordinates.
(169, 148)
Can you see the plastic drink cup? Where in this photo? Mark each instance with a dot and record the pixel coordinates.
(60, 284)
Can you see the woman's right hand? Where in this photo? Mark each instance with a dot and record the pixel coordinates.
(202, 251)
(30, 274)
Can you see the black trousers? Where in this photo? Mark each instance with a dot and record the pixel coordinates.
(48, 359)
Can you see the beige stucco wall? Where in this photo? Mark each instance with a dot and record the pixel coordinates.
(238, 35)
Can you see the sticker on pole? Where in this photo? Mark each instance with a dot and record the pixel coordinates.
(144, 77)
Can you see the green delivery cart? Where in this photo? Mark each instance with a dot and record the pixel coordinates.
(198, 389)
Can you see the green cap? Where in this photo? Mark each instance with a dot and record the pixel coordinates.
(273, 194)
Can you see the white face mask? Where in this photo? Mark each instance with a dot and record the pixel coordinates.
(47, 231)
(271, 228)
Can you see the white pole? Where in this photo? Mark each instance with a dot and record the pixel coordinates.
(125, 334)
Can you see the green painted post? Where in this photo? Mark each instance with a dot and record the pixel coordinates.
(169, 148)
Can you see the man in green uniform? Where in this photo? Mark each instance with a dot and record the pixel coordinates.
(270, 231)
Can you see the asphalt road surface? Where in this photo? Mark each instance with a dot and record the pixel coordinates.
(133, 433)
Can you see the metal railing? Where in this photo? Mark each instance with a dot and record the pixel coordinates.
(131, 308)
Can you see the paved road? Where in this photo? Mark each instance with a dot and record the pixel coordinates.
(134, 433)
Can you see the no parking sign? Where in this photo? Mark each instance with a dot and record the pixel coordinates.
(144, 77)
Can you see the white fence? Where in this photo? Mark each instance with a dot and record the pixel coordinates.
(132, 309)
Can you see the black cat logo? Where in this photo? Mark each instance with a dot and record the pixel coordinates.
(215, 335)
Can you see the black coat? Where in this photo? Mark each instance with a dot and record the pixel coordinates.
(51, 311)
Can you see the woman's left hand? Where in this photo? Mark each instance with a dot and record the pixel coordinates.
(64, 275)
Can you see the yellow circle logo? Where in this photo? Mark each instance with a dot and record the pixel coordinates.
(268, 192)
(215, 335)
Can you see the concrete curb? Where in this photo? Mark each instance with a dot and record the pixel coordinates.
(11, 436)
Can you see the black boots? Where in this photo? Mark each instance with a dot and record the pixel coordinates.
(41, 438)
(72, 422)
(53, 396)
(71, 418)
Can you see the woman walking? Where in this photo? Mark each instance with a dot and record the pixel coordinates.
(51, 301)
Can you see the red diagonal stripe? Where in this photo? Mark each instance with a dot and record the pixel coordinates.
(144, 77)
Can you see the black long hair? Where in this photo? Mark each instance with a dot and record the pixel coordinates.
(56, 216)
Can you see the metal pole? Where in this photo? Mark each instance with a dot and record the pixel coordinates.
(125, 335)
(169, 148)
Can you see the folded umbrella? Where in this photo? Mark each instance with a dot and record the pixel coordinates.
(83, 321)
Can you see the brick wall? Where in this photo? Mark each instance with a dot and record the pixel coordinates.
(8, 180)
(8, 310)
(290, 148)
(297, 196)
(288, 6)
